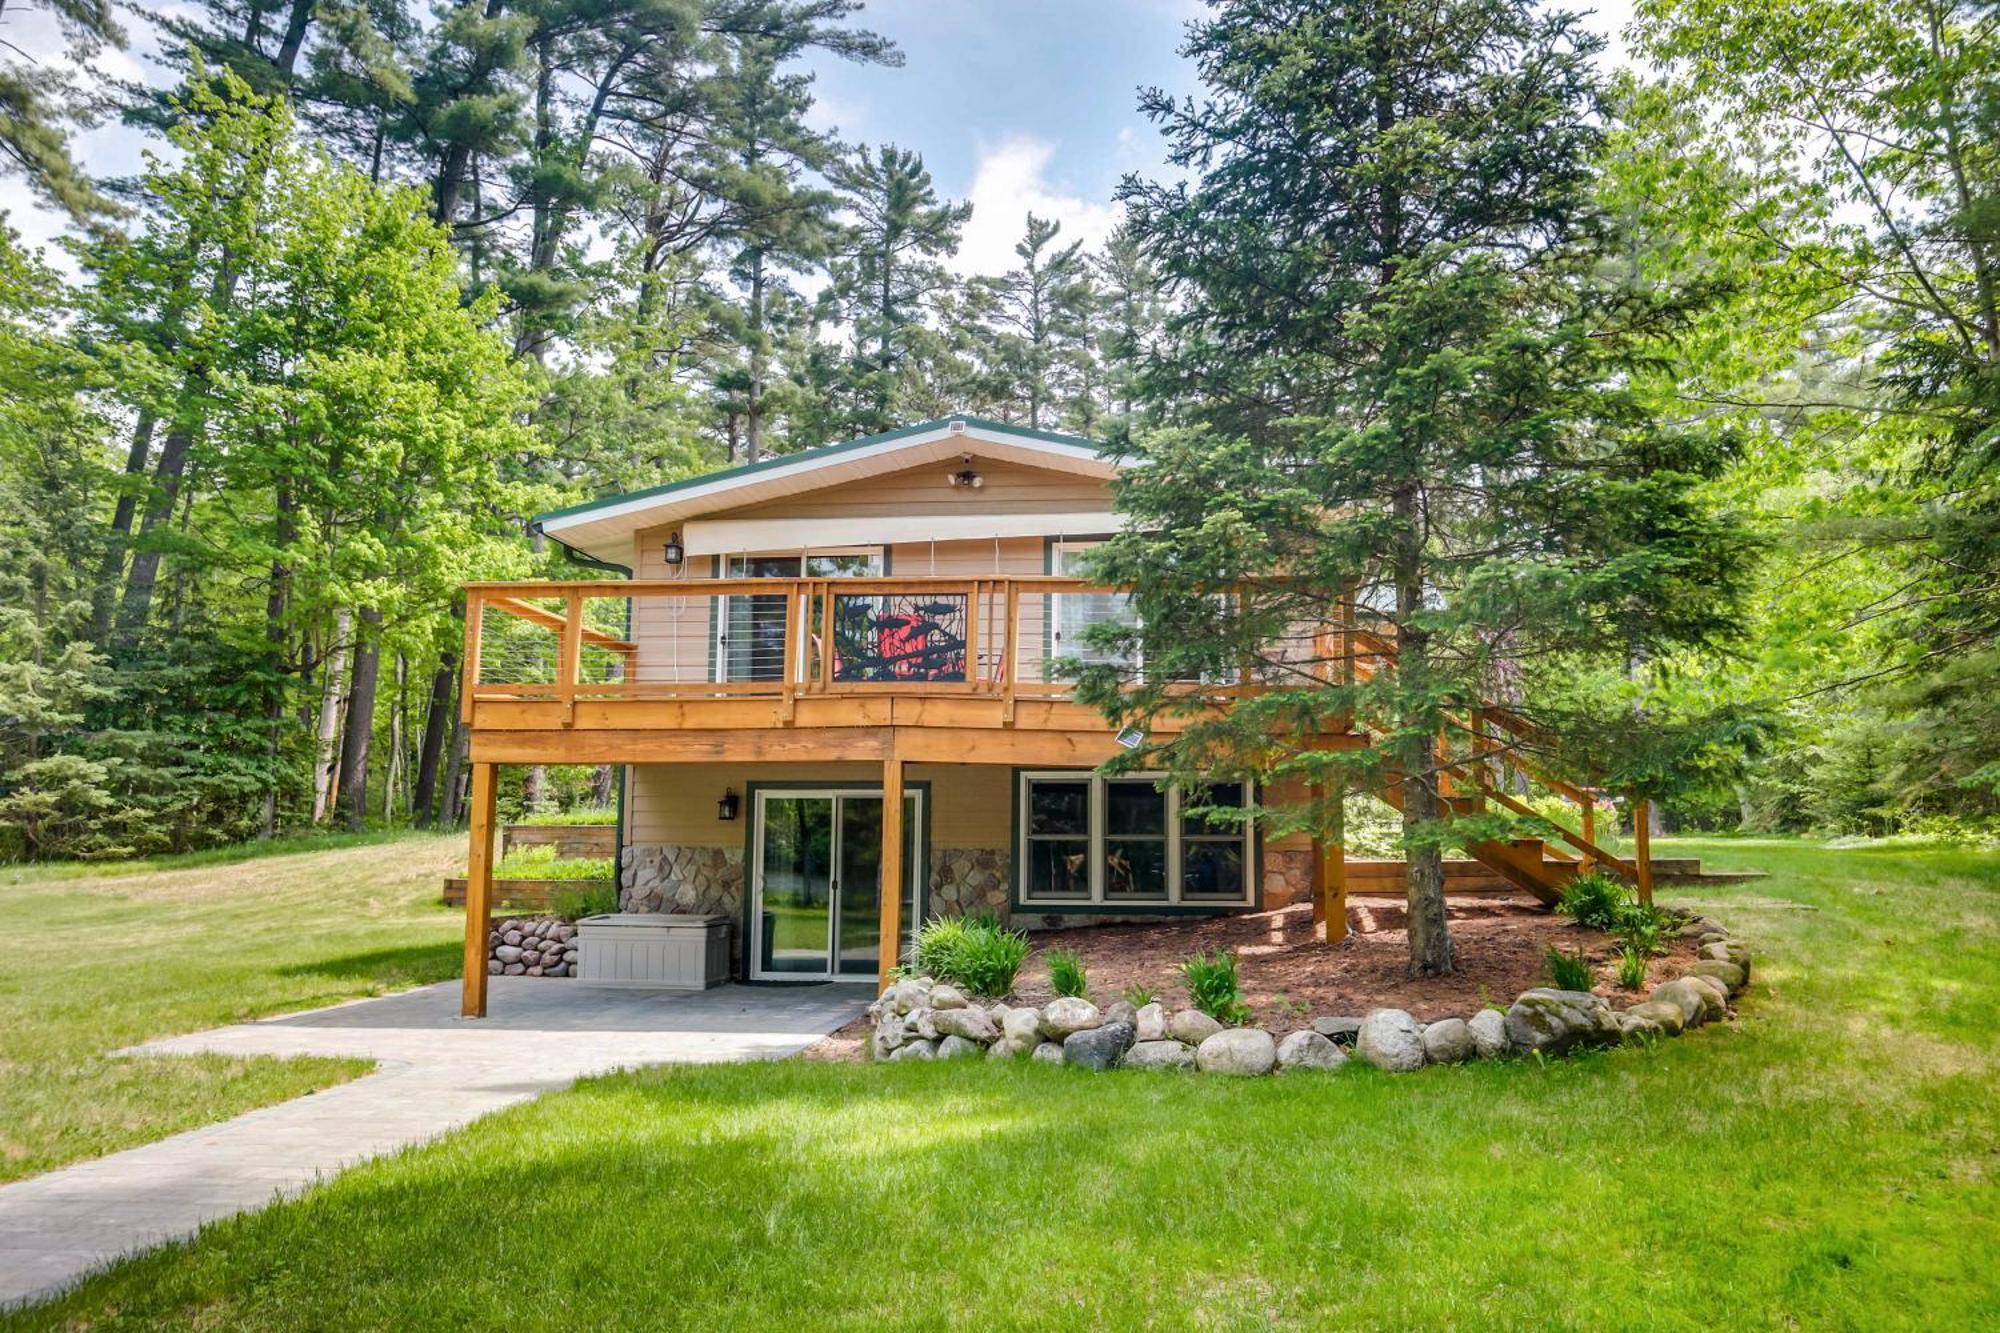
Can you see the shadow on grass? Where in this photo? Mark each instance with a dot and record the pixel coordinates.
(403, 964)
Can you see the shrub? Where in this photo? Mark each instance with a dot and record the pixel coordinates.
(1138, 996)
(1570, 971)
(1066, 973)
(541, 862)
(590, 815)
(584, 900)
(1213, 987)
(974, 952)
(1595, 900)
(1642, 928)
(1632, 968)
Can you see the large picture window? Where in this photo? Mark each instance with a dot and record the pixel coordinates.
(1127, 841)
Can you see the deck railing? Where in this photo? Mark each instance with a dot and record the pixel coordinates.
(779, 638)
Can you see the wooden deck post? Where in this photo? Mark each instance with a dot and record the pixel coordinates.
(1588, 806)
(890, 944)
(1642, 849)
(478, 892)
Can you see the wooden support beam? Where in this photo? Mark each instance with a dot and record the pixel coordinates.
(1588, 806)
(569, 665)
(889, 945)
(475, 628)
(1642, 849)
(478, 892)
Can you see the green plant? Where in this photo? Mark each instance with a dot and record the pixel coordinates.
(1066, 973)
(1642, 928)
(1138, 996)
(1594, 899)
(1632, 968)
(1213, 987)
(974, 952)
(590, 816)
(541, 862)
(595, 899)
(1570, 971)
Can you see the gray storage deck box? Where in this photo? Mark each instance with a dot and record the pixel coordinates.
(653, 950)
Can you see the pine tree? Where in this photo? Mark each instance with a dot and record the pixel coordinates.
(1041, 314)
(38, 104)
(1400, 374)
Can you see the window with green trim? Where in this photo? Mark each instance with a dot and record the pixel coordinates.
(1129, 841)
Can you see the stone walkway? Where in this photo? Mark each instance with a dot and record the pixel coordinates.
(436, 1072)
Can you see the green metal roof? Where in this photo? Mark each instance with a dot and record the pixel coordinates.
(823, 451)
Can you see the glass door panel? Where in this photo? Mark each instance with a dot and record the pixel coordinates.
(795, 885)
(858, 930)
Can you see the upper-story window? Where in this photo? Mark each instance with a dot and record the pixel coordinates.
(750, 631)
(1074, 613)
(1125, 841)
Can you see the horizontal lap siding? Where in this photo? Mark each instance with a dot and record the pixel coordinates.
(1010, 488)
(674, 804)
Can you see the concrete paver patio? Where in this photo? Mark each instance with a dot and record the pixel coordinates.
(435, 1073)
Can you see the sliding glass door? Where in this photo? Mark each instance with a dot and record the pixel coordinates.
(817, 882)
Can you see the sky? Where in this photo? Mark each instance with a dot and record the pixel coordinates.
(1018, 105)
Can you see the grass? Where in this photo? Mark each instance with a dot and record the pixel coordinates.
(102, 957)
(1826, 1162)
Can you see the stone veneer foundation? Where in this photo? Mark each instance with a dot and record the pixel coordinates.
(700, 881)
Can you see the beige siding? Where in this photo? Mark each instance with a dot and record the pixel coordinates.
(674, 804)
(1011, 488)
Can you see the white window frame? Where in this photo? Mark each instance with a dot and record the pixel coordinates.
(1096, 822)
(1057, 550)
(879, 554)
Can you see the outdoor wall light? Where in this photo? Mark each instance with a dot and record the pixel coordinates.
(725, 809)
(675, 552)
(967, 477)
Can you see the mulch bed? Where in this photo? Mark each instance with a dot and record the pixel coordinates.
(1290, 977)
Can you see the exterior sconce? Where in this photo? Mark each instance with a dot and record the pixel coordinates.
(967, 477)
(725, 809)
(675, 552)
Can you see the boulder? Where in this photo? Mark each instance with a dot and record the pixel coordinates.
(908, 994)
(955, 1047)
(1021, 1025)
(1448, 1041)
(1685, 996)
(1554, 1021)
(1728, 973)
(1048, 1053)
(1715, 995)
(512, 969)
(1390, 1039)
(1306, 1049)
(514, 937)
(1122, 1011)
(1634, 1025)
(886, 1040)
(1066, 1015)
(922, 1023)
(1340, 1029)
(916, 1050)
(1013, 1048)
(1241, 1051)
(1489, 1033)
(1718, 951)
(508, 953)
(1150, 1022)
(973, 1024)
(1662, 1014)
(1192, 1026)
(947, 997)
(1160, 1053)
(1097, 1048)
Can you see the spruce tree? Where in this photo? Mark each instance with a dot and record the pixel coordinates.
(1400, 374)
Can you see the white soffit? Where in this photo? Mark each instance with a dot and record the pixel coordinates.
(723, 536)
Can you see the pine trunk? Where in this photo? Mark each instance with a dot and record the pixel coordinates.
(113, 567)
(432, 749)
(1430, 935)
(326, 754)
(145, 570)
(360, 731)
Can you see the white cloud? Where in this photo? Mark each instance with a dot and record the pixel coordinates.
(1011, 182)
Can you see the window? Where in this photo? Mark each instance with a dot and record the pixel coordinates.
(750, 632)
(1126, 841)
(1075, 612)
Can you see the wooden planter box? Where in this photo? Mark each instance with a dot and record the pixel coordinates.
(569, 840)
(535, 894)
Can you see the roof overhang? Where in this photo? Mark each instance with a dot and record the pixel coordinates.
(605, 528)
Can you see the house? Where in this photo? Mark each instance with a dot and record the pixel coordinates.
(832, 671)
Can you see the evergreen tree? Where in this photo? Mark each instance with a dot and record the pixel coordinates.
(1131, 323)
(38, 104)
(1400, 375)
(1040, 314)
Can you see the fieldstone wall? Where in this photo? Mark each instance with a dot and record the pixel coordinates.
(969, 879)
(697, 881)
(1287, 877)
(534, 946)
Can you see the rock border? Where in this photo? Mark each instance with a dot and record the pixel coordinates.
(919, 1018)
(531, 946)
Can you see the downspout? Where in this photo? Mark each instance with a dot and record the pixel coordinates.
(589, 561)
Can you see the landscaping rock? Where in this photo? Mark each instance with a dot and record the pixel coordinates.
(512, 969)
(947, 997)
(1048, 1053)
(1306, 1049)
(1097, 1048)
(955, 1047)
(1341, 1030)
(513, 937)
(916, 1050)
(1448, 1041)
(1714, 993)
(508, 953)
(922, 1023)
(1192, 1026)
(1121, 1011)
(885, 1041)
(1717, 951)
(1663, 1014)
(1489, 1033)
(1635, 1025)
(1022, 1025)
(493, 966)
(1160, 1053)
(1013, 1048)
(1066, 1015)
(1555, 1021)
(1150, 1022)
(1390, 1039)
(1239, 1051)
(1728, 973)
(1684, 995)
(910, 994)
(972, 1024)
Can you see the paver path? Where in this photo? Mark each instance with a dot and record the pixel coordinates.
(436, 1073)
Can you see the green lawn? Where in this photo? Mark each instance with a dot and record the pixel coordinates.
(101, 957)
(1828, 1161)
